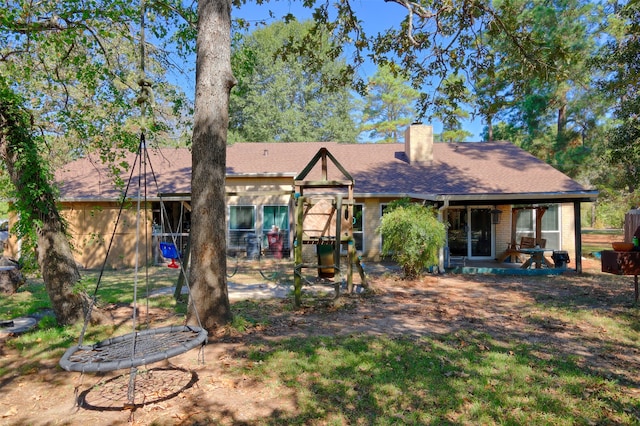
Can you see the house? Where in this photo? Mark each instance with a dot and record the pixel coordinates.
(490, 194)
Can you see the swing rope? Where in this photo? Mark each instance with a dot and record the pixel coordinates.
(146, 346)
(94, 296)
(173, 236)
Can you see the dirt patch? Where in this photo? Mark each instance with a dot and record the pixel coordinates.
(180, 391)
(600, 239)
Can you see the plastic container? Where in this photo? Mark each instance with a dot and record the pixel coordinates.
(560, 259)
(253, 246)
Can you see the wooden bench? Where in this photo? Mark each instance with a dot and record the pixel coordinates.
(530, 242)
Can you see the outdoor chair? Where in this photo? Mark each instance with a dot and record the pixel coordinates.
(530, 242)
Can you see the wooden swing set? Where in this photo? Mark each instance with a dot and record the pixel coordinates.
(324, 218)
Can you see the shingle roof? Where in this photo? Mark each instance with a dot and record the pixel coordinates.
(481, 170)
(90, 179)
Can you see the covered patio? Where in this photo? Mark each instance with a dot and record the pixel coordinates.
(523, 247)
(473, 267)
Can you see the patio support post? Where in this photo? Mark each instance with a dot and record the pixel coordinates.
(297, 253)
(578, 235)
(514, 220)
(540, 211)
(336, 248)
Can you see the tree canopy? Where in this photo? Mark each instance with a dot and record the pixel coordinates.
(72, 73)
(621, 57)
(563, 38)
(389, 105)
(279, 99)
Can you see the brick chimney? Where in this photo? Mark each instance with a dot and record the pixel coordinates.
(418, 143)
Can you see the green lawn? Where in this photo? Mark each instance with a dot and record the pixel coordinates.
(462, 377)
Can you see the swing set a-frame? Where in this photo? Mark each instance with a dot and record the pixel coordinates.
(324, 217)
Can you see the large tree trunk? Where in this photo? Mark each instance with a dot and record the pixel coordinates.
(36, 203)
(214, 80)
(59, 271)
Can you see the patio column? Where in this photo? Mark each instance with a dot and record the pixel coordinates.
(540, 211)
(514, 220)
(578, 235)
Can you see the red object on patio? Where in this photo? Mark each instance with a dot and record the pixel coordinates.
(275, 241)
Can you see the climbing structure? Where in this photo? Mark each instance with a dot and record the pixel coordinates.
(324, 218)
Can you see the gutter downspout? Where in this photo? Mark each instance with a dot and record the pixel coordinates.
(444, 251)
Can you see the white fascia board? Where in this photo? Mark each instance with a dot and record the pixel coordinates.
(520, 196)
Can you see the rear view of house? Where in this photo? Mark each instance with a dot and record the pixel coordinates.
(490, 195)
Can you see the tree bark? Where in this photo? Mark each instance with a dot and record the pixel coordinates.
(59, 271)
(209, 299)
(26, 171)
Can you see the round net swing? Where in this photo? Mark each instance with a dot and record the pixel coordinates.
(140, 347)
(133, 349)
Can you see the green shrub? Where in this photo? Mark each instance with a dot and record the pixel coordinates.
(412, 236)
(610, 210)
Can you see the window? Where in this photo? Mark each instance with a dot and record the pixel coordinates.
(277, 216)
(242, 221)
(526, 225)
(480, 232)
(551, 227)
(457, 231)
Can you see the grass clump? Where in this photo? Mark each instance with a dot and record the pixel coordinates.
(48, 340)
(380, 380)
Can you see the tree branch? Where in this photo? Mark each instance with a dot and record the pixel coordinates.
(178, 11)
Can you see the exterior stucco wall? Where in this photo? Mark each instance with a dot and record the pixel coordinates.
(91, 226)
(503, 230)
(372, 240)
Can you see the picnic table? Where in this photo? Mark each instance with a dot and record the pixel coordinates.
(537, 258)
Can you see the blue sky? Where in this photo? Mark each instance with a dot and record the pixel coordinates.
(376, 16)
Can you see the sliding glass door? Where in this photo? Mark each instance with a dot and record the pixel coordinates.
(480, 235)
(470, 232)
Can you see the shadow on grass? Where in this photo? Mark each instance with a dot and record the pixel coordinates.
(565, 353)
(461, 378)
